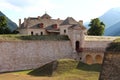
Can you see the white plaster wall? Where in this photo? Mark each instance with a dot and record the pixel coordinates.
(62, 30)
(37, 31)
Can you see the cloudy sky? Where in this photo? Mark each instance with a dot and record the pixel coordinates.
(78, 9)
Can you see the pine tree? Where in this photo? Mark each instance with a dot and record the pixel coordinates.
(3, 26)
(96, 27)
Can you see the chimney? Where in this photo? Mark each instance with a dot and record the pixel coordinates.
(38, 17)
(19, 22)
(81, 22)
(25, 22)
(28, 19)
(58, 19)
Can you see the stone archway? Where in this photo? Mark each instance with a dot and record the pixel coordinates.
(77, 46)
(98, 59)
(89, 59)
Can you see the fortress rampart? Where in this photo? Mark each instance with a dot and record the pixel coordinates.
(111, 66)
(22, 55)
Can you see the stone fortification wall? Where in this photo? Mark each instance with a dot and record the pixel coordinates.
(22, 55)
(100, 38)
(96, 44)
(111, 66)
(93, 51)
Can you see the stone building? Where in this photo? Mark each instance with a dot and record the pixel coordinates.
(45, 25)
(84, 50)
(31, 54)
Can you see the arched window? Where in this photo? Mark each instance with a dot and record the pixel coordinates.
(89, 59)
(98, 59)
(32, 33)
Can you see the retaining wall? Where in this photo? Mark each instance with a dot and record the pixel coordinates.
(22, 55)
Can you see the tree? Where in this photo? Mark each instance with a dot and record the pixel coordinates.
(15, 32)
(4, 29)
(96, 27)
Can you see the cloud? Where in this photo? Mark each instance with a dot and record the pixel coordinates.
(41, 4)
(7, 6)
(19, 3)
(16, 9)
(80, 9)
(28, 6)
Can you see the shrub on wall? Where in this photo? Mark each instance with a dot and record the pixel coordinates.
(29, 37)
(45, 37)
(114, 46)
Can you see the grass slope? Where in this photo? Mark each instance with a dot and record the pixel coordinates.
(65, 69)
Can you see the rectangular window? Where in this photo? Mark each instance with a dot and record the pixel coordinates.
(41, 33)
(32, 33)
(64, 31)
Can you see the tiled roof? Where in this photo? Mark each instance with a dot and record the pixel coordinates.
(46, 22)
(65, 26)
(69, 21)
(78, 27)
(46, 16)
(33, 23)
(53, 28)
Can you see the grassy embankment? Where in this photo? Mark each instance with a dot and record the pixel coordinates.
(65, 69)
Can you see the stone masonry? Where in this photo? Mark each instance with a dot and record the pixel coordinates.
(111, 66)
(22, 55)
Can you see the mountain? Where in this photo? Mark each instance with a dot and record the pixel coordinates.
(112, 21)
(111, 17)
(113, 30)
(86, 24)
(12, 25)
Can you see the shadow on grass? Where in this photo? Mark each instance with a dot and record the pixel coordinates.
(86, 67)
(45, 70)
(59, 67)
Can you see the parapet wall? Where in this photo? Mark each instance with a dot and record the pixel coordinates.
(96, 44)
(22, 55)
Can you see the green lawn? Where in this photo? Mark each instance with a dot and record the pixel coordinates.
(66, 70)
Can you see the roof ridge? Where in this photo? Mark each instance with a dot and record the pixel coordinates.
(69, 20)
(46, 16)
